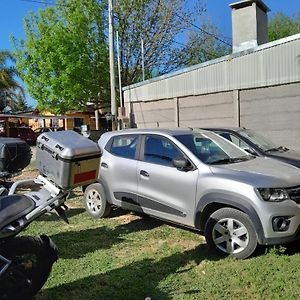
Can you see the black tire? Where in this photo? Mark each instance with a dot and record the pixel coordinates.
(32, 259)
(230, 232)
(95, 201)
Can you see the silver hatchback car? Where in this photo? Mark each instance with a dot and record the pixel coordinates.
(200, 180)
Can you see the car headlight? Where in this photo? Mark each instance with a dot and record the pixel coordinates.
(274, 195)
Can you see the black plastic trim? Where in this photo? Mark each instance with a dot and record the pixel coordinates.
(70, 160)
(79, 158)
(147, 203)
(282, 240)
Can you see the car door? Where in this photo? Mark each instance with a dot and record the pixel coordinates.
(118, 169)
(163, 190)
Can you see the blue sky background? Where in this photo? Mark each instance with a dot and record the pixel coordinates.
(12, 13)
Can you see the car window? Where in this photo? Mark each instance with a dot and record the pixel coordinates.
(260, 141)
(124, 146)
(159, 150)
(234, 139)
(211, 148)
(207, 150)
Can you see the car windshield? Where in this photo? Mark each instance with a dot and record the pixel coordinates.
(213, 149)
(258, 140)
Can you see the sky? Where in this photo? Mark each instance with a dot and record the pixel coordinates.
(12, 13)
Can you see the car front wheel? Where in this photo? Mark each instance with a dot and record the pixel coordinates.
(95, 201)
(230, 232)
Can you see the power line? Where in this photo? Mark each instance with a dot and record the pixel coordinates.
(197, 30)
(202, 30)
(43, 2)
(202, 49)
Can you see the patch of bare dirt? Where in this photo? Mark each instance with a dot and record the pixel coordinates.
(27, 174)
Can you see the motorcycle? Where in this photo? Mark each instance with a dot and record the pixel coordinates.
(26, 261)
(65, 160)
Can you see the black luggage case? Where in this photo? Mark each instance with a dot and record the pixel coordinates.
(15, 155)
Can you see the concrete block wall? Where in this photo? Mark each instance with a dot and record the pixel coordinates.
(273, 111)
(154, 114)
(207, 110)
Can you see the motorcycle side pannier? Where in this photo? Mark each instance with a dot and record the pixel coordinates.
(67, 158)
(15, 155)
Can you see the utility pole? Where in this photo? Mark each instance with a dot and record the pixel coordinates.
(119, 71)
(97, 112)
(111, 64)
(143, 63)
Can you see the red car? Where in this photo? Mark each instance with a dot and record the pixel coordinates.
(24, 133)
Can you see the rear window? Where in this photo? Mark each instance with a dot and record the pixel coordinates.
(124, 146)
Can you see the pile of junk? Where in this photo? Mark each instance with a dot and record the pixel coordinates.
(65, 160)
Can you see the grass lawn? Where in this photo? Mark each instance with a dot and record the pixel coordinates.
(128, 256)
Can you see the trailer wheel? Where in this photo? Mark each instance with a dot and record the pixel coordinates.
(95, 201)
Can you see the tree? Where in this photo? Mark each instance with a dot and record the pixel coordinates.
(7, 72)
(281, 26)
(8, 84)
(18, 103)
(203, 45)
(160, 24)
(64, 59)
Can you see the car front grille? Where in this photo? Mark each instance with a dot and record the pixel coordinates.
(294, 193)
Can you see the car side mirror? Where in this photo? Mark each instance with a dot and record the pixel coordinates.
(181, 163)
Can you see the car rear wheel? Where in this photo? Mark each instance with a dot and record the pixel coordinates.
(95, 201)
(230, 232)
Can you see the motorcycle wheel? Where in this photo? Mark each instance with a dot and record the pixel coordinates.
(32, 259)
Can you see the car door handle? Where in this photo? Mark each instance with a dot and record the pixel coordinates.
(104, 165)
(144, 173)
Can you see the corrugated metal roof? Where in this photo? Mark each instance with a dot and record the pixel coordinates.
(270, 64)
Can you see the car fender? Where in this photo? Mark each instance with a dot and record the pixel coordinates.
(106, 190)
(239, 202)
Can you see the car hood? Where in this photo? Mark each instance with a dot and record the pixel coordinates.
(290, 157)
(260, 172)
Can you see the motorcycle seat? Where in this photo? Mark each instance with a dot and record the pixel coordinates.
(13, 207)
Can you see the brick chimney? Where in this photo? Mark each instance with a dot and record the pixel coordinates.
(249, 24)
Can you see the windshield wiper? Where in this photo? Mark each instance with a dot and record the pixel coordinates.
(280, 148)
(230, 160)
(272, 150)
(283, 148)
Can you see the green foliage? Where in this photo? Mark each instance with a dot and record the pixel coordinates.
(64, 59)
(7, 72)
(19, 103)
(281, 26)
(9, 87)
